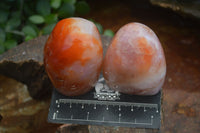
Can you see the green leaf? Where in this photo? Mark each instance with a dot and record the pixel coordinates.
(82, 8)
(2, 48)
(48, 29)
(28, 37)
(10, 44)
(66, 10)
(12, 23)
(2, 36)
(34, 26)
(51, 18)
(28, 30)
(36, 19)
(99, 27)
(3, 16)
(69, 1)
(43, 7)
(55, 4)
(109, 33)
(92, 20)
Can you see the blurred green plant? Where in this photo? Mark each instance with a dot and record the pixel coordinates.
(23, 20)
(106, 32)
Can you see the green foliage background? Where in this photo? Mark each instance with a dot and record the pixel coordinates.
(23, 20)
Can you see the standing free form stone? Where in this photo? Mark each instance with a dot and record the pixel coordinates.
(73, 56)
(135, 61)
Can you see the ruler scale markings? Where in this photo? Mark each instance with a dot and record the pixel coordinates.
(130, 112)
(109, 103)
(132, 108)
(112, 122)
(117, 122)
(119, 117)
(95, 106)
(88, 115)
(152, 119)
(54, 115)
(126, 104)
(135, 121)
(119, 108)
(70, 105)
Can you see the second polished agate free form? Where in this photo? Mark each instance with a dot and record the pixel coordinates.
(135, 61)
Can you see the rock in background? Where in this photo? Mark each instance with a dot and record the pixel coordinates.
(184, 7)
(20, 113)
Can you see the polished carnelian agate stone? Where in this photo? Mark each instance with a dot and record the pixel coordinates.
(73, 56)
(135, 62)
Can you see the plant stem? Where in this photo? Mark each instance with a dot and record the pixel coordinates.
(15, 32)
(21, 6)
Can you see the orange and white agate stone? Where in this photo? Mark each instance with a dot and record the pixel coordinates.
(135, 61)
(73, 56)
